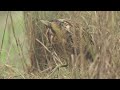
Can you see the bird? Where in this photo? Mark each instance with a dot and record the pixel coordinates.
(60, 30)
(56, 29)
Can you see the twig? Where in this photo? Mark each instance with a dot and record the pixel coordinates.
(43, 45)
(54, 54)
(57, 67)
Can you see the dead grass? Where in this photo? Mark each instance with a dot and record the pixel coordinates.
(102, 27)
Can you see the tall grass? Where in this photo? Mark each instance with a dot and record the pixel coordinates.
(102, 27)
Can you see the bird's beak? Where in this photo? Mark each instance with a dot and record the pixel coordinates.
(45, 22)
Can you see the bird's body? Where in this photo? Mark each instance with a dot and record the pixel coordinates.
(59, 35)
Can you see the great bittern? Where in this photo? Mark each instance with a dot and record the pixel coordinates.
(60, 28)
(56, 29)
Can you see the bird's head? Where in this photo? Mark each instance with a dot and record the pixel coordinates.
(58, 26)
(65, 24)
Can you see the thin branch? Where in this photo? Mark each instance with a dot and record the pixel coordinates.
(43, 45)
